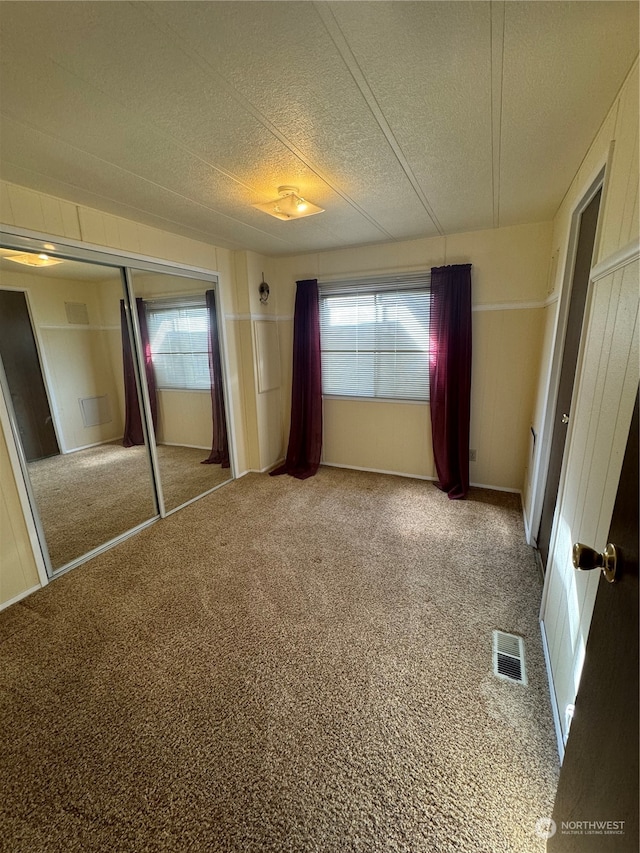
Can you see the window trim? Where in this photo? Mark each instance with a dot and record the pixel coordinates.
(376, 284)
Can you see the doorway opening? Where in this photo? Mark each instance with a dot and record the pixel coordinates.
(23, 370)
(586, 241)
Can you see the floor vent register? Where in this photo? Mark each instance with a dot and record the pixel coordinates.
(508, 657)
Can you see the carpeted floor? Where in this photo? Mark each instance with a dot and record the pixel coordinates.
(283, 666)
(91, 496)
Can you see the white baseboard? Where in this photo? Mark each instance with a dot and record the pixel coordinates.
(95, 444)
(376, 471)
(418, 477)
(382, 471)
(18, 598)
(177, 444)
(497, 489)
(260, 470)
(552, 694)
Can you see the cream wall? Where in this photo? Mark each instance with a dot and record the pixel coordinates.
(257, 330)
(45, 215)
(509, 287)
(78, 360)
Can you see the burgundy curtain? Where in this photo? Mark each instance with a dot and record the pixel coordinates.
(450, 376)
(305, 435)
(133, 432)
(220, 445)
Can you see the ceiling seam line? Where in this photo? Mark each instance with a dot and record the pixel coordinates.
(204, 238)
(332, 25)
(139, 177)
(492, 98)
(500, 127)
(160, 131)
(615, 106)
(270, 127)
(497, 70)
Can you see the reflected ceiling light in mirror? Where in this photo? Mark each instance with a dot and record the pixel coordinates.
(30, 260)
(289, 205)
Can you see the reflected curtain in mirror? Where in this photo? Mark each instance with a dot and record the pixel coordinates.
(220, 444)
(133, 432)
(450, 376)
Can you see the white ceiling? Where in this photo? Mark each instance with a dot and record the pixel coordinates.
(401, 119)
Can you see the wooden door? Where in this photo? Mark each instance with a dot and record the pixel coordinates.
(579, 289)
(596, 808)
(24, 377)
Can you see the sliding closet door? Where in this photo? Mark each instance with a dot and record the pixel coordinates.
(95, 489)
(181, 340)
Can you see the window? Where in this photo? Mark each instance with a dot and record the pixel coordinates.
(375, 338)
(179, 340)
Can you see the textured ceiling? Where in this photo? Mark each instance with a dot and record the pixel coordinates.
(401, 119)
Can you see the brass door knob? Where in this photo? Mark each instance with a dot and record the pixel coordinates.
(585, 559)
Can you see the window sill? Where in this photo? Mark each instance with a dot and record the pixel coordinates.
(185, 390)
(355, 399)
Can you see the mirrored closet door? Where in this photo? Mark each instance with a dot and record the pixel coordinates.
(112, 379)
(61, 348)
(179, 330)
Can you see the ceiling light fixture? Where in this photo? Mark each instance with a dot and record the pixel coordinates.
(40, 260)
(289, 206)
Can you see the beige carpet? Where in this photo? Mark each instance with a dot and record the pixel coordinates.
(283, 666)
(91, 496)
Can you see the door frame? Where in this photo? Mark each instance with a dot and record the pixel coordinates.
(14, 449)
(577, 292)
(598, 179)
(44, 367)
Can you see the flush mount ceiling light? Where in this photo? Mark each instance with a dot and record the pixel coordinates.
(40, 260)
(289, 206)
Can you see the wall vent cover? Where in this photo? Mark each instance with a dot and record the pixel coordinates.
(95, 410)
(508, 657)
(77, 313)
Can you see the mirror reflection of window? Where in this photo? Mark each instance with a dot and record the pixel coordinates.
(178, 336)
(191, 431)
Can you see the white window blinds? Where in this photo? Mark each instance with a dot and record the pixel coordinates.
(375, 338)
(178, 337)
